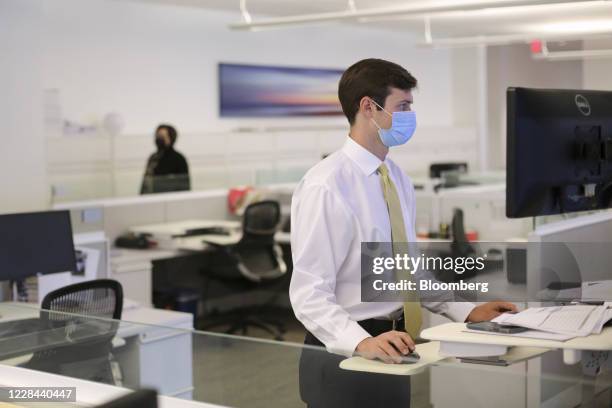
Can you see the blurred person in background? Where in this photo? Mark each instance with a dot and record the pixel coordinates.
(167, 170)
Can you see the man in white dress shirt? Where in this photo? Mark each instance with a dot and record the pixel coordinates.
(339, 204)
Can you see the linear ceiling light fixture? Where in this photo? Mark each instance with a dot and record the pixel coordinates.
(548, 55)
(518, 12)
(505, 39)
(576, 27)
(414, 10)
(574, 55)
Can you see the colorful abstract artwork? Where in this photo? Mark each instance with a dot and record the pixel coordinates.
(271, 91)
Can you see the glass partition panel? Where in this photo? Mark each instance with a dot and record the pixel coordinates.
(100, 185)
(245, 372)
(71, 187)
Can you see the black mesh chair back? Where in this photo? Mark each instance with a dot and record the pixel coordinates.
(97, 298)
(260, 221)
(86, 315)
(259, 256)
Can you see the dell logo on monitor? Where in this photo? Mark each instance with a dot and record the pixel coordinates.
(583, 105)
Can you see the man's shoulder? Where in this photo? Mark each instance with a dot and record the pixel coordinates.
(327, 171)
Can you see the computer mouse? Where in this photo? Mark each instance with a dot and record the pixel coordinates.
(411, 358)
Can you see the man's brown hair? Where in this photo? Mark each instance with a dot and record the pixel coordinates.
(374, 78)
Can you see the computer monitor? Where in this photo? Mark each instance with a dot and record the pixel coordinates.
(436, 170)
(559, 151)
(35, 243)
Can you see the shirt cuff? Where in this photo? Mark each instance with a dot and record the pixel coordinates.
(347, 344)
(459, 311)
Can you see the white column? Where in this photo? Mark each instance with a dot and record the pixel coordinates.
(482, 122)
(23, 185)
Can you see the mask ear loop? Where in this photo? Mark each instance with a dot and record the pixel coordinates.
(372, 119)
(383, 109)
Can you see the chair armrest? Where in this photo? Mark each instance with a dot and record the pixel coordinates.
(221, 240)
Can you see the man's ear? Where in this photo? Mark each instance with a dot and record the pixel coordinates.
(366, 106)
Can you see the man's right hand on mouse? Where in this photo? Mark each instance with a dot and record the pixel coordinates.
(388, 347)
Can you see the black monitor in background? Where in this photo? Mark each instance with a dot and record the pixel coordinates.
(436, 170)
(559, 151)
(35, 243)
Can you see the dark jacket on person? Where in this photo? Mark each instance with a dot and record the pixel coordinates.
(167, 170)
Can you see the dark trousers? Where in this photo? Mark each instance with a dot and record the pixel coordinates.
(323, 384)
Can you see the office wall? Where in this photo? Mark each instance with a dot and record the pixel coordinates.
(469, 90)
(597, 73)
(465, 80)
(159, 62)
(153, 63)
(512, 65)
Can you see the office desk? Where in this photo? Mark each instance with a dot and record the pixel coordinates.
(454, 383)
(87, 392)
(428, 352)
(453, 333)
(173, 236)
(198, 243)
(178, 228)
(133, 269)
(150, 337)
(430, 355)
(599, 346)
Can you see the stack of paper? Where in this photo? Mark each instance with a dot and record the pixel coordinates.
(575, 320)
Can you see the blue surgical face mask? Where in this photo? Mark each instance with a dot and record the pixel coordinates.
(403, 126)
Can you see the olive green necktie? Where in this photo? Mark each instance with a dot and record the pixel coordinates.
(412, 308)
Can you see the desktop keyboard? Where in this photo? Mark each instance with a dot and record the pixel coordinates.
(208, 231)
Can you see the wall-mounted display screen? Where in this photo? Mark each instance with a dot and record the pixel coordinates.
(271, 91)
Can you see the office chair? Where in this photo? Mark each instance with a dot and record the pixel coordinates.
(84, 312)
(141, 399)
(254, 263)
(460, 247)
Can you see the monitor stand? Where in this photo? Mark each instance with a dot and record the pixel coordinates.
(16, 291)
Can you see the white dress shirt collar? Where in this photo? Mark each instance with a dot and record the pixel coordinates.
(366, 160)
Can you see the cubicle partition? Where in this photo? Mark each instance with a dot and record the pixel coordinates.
(114, 217)
(236, 371)
(483, 207)
(103, 166)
